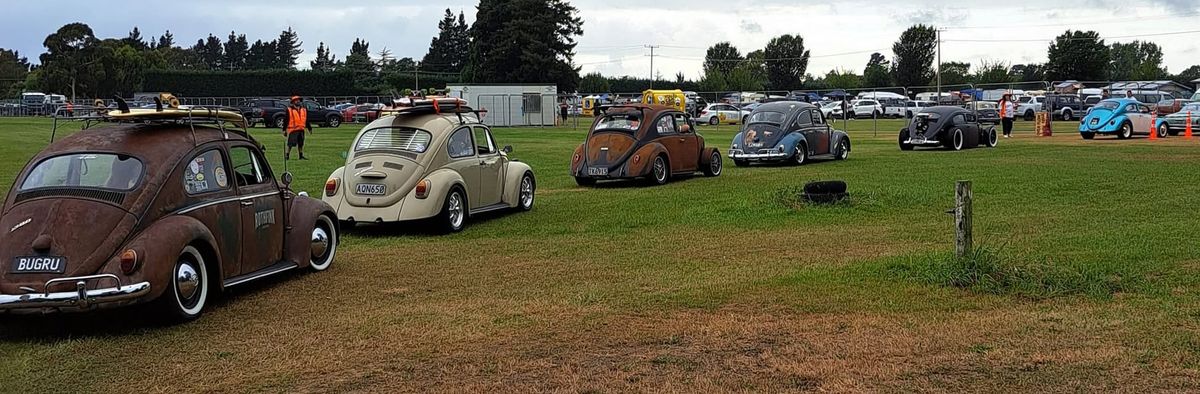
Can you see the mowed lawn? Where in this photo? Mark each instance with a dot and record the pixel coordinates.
(1088, 281)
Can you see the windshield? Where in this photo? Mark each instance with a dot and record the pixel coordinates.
(99, 170)
(1108, 104)
(627, 122)
(397, 138)
(1194, 107)
(834, 104)
(771, 117)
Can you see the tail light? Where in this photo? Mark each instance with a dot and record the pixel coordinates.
(575, 158)
(331, 187)
(637, 159)
(704, 112)
(422, 189)
(129, 261)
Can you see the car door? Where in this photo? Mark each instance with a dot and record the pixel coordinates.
(688, 144)
(732, 113)
(491, 168)
(1137, 118)
(816, 132)
(261, 206)
(206, 182)
(463, 160)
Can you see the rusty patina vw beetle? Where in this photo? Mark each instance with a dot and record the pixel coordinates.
(165, 207)
(642, 140)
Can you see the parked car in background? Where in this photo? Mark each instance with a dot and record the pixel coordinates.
(362, 113)
(640, 140)
(1063, 106)
(428, 162)
(911, 108)
(271, 112)
(1167, 107)
(828, 107)
(34, 103)
(715, 114)
(1123, 117)
(341, 107)
(986, 111)
(1028, 106)
(1090, 101)
(1150, 98)
(1177, 122)
(164, 210)
(790, 131)
(954, 128)
(749, 107)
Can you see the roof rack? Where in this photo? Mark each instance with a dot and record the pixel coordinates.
(444, 105)
(641, 107)
(167, 110)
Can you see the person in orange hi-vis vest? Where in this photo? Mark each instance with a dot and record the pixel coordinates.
(1008, 110)
(294, 125)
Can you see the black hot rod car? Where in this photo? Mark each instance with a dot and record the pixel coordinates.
(954, 128)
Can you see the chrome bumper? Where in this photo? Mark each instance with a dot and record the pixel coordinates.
(740, 155)
(80, 298)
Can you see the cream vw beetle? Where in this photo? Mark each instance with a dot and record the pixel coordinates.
(433, 160)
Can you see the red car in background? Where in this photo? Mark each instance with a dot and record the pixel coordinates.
(362, 113)
(1167, 107)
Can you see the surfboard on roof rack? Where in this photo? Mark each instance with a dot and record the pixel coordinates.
(167, 110)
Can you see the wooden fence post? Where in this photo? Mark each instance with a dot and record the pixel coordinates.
(962, 218)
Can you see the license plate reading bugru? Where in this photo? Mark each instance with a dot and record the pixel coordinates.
(39, 265)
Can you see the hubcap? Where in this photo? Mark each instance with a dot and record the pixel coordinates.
(660, 169)
(958, 140)
(320, 243)
(456, 209)
(526, 192)
(187, 280)
(842, 151)
(715, 165)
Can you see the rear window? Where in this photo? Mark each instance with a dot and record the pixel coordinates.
(94, 170)
(619, 122)
(394, 138)
(1108, 104)
(771, 117)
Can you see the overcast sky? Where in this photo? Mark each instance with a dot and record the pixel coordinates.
(840, 34)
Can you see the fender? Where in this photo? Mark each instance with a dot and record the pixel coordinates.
(792, 141)
(706, 155)
(302, 218)
(440, 182)
(512, 181)
(337, 199)
(738, 140)
(159, 245)
(577, 160)
(837, 136)
(639, 163)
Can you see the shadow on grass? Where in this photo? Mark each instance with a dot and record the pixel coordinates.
(419, 228)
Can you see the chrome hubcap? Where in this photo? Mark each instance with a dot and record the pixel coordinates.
(716, 164)
(320, 243)
(187, 281)
(660, 169)
(526, 191)
(456, 209)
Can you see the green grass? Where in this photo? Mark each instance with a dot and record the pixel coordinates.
(1086, 278)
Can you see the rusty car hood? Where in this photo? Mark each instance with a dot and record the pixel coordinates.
(87, 233)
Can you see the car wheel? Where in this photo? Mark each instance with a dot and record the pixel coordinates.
(660, 172)
(279, 122)
(1087, 136)
(877, 114)
(454, 211)
(955, 140)
(714, 165)
(904, 137)
(1028, 116)
(187, 294)
(335, 121)
(990, 137)
(525, 194)
(1067, 115)
(740, 163)
(1126, 131)
(324, 243)
(801, 155)
(1162, 130)
(712, 121)
(842, 150)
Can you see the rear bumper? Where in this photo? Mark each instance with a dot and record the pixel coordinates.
(79, 299)
(738, 154)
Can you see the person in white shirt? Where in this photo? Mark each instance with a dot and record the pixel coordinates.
(1008, 110)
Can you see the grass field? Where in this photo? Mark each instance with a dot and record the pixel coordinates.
(1087, 280)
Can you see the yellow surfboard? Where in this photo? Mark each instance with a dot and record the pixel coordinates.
(174, 113)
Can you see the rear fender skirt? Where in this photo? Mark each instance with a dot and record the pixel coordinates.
(158, 247)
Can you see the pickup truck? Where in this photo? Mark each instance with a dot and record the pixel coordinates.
(272, 112)
(1064, 106)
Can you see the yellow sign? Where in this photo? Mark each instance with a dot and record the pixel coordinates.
(1042, 125)
(671, 98)
(589, 106)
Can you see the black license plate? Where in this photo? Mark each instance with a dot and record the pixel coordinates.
(598, 171)
(1094, 121)
(371, 189)
(39, 265)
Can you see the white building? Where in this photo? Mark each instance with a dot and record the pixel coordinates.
(511, 104)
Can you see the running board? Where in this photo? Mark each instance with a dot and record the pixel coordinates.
(265, 272)
(490, 208)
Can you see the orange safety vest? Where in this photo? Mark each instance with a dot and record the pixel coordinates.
(1003, 108)
(297, 118)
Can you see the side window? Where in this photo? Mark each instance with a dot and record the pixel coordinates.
(1144, 109)
(460, 144)
(804, 119)
(1131, 108)
(958, 120)
(683, 123)
(206, 173)
(248, 168)
(970, 117)
(483, 139)
(817, 117)
(665, 125)
(311, 106)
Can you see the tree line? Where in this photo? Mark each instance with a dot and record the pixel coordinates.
(511, 41)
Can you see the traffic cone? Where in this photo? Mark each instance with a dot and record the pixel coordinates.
(1187, 131)
(1153, 129)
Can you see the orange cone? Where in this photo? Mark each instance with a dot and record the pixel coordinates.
(1153, 121)
(1187, 131)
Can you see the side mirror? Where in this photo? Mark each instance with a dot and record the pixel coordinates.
(286, 178)
(507, 149)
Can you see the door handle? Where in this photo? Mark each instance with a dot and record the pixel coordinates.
(247, 203)
(682, 140)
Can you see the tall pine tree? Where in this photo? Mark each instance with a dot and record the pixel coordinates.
(236, 50)
(448, 51)
(210, 51)
(359, 59)
(324, 61)
(287, 49)
(525, 41)
(261, 55)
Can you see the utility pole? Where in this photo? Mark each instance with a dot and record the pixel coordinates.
(652, 48)
(938, 100)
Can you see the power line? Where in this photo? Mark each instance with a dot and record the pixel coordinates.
(1078, 38)
(1080, 22)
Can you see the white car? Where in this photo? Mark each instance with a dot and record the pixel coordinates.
(914, 107)
(860, 109)
(827, 108)
(1027, 108)
(715, 114)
